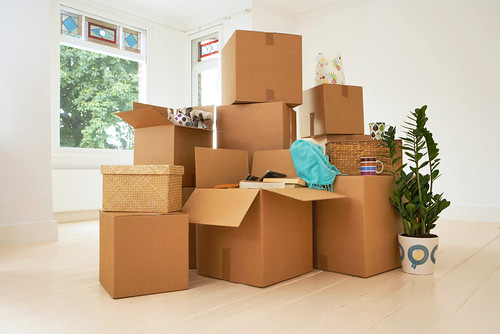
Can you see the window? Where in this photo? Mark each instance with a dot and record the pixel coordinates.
(205, 73)
(102, 66)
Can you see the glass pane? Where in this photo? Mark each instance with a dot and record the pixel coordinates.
(71, 24)
(102, 32)
(209, 49)
(94, 87)
(132, 40)
(208, 87)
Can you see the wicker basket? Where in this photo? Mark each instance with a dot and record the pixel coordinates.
(142, 188)
(346, 154)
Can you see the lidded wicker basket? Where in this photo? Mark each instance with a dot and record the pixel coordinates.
(142, 188)
(346, 154)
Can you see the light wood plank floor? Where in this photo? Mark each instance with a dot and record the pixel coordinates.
(54, 288)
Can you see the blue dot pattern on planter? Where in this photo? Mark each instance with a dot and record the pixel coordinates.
(415, 262)
(433, 254)
(402, 251)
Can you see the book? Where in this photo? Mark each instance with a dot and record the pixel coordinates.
(261, 185)
(288, 180)
(267, 185)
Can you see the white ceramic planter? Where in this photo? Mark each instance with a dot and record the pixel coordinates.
(418, 255)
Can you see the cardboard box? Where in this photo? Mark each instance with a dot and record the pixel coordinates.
(157, 141)
(186, 192)
(252, 236)
(142, 188)
(332, 109)
(256, 126)
(143, 254)
(262, 67)
(357, 235)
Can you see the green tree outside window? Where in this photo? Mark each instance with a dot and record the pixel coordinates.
(93, 87)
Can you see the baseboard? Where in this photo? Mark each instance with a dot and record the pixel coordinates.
(485, 214)
(76, 216)
(18, 234)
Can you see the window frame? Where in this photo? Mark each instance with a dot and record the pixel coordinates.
(194, 70)
(89, 158)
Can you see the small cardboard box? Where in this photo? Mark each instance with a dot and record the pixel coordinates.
(256, 126)
(357, 235)
(157, 141)
(262, 67)
(252, 236)
(332, 109)
(143, 254)
(142, 188)
(186, 192)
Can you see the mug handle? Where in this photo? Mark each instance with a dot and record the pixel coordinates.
(382, 167)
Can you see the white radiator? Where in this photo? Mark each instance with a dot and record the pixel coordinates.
(76, 189)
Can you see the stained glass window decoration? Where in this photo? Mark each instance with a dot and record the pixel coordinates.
(102, 33)
(78, 25)
(131, 40)
(209, 49)
(71, 24)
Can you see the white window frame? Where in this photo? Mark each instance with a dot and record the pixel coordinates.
(89, 158)
(200, 67)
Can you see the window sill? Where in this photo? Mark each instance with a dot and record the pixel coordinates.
(77, 158)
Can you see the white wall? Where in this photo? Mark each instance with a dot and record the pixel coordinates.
(239, 22)
(409, 53)
(25, 171)
(271, 18)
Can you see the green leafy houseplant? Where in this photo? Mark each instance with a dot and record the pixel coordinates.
(413, 198)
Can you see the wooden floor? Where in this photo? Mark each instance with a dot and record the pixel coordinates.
(54, 288)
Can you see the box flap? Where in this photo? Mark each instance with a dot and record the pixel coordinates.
(144, 117)
(306, 194)
(220, 207)
(138, 105)
(219, 166)
(276, 160)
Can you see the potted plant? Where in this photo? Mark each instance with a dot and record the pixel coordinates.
(414, 198)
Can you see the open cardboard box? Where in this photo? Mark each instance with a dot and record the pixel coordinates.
(252, 236)
(157, 141)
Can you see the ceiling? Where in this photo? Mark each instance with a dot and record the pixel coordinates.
(187, 15)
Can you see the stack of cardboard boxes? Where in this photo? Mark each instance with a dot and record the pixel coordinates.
(263, 236)
(358, 234)
(254, 236)
(143, 236)
(261, 82)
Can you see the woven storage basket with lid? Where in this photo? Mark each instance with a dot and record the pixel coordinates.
(346, 154)
(142, 188)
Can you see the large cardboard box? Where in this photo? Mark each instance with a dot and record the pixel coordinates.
(332, 109)
(262, 67)
(186, 192)
(251, 236)
(357, 235)
(157, 141)
(256, 126)
(142, 254)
